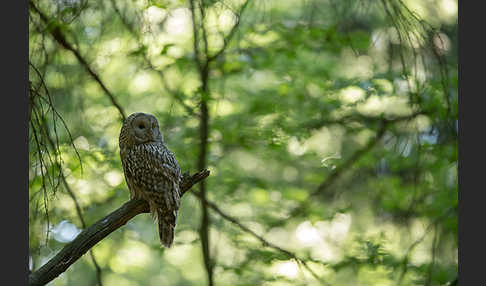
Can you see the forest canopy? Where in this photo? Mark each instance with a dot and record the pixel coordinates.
(329, 129)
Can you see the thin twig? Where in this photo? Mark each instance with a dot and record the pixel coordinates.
(228, 38)
(59, 36)
(80, 215)
(265, 242)
(83, 224)
(195, 35)
(55, 114)
(176, 94)
(420, 239)
(324, 187)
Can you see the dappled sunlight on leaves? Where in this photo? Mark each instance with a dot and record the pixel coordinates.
(332, 137)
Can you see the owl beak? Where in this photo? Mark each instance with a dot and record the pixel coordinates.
(150, 134)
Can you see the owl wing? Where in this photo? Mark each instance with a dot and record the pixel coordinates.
(154, 174)
(128, 175)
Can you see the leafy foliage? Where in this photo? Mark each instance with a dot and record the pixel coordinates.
(332, 135)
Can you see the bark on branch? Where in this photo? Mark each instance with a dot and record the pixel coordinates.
(97, 232)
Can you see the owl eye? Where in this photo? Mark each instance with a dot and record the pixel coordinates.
(141, 126)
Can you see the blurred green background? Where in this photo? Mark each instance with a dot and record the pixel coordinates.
(332, 134)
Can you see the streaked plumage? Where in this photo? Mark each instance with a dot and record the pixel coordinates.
(151, 171)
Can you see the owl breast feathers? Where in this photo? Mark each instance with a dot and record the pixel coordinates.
(151, 171)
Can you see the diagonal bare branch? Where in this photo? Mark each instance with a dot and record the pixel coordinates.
(265, 242)
(90, 236)
(60, 38)
(324, 187)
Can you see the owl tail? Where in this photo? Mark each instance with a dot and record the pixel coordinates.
(167, 222)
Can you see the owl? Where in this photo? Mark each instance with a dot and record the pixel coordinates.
(151, 171)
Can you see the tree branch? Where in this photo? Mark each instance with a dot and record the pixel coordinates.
(265, 242)
(97, 232)
(203, 69)
(203, 64)
(195, 34)
(57, 34)
(323, 188)
(78, 211)
(360, 118)
(176, 94)
(83, 224)
(228, 38)
(429, 228)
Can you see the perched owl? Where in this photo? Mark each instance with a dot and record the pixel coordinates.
(151, 171)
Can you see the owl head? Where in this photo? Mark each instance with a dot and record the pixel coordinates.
(139, 128)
